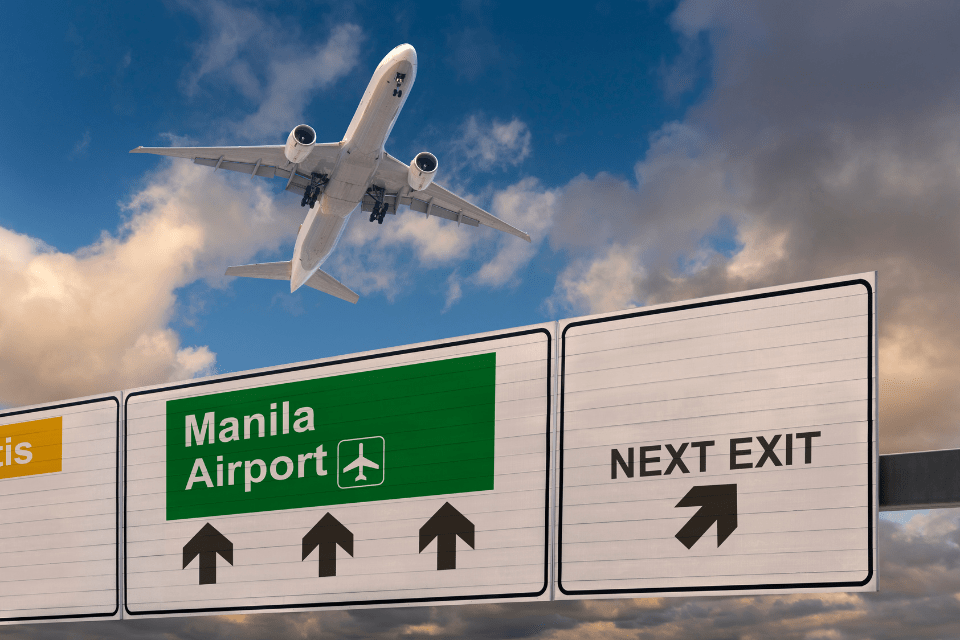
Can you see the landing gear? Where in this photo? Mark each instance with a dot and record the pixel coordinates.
(317, 182)
(380, 207)
(398, 91)
(378, 213)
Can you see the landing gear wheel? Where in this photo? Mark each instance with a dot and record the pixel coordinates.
(380, 208)
(398, 91)
(313, 190)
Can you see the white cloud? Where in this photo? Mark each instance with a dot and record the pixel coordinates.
(97, 319)
(293, 79)
(372, 258)
(454, 291)
(828, 152)
(80, 146)
(484, 145)
(528, 206)
(605, 283)
(231, 30)
(277, 66)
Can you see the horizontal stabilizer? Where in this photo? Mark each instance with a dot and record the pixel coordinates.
(323, 281)
(266, 270)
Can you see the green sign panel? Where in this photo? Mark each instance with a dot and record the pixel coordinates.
(416, 430)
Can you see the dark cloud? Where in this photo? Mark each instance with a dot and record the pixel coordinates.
(918, 598)
(830, 138)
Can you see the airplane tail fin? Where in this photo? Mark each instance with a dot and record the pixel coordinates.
(321, 280)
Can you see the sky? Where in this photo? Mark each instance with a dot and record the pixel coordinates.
(655, 151)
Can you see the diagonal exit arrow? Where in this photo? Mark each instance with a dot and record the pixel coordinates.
(325, 536)
(718, 503)
(207, 544)
(445, 525)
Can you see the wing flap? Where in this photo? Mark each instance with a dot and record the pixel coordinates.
(268, 154)
(269, 161)
(433, 201)
(297, 185)
(421, 206)
(263, 170)
(443, 198)
(323, 281)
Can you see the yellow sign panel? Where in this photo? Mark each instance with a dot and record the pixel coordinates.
(31, 448)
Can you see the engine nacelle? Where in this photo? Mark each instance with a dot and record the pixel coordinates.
(422, 170)
(300, 143)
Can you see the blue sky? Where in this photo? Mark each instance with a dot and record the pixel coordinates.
(107, 78)
(655, 151)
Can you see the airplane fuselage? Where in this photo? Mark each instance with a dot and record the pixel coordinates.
(360, 153)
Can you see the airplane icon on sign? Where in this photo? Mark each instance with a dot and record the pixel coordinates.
(360, 463)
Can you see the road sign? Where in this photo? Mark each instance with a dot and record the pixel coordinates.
(417, 475)
(59, 486)
(720, 445)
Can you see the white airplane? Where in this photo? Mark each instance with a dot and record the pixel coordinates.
(360, 463)
(336, 178)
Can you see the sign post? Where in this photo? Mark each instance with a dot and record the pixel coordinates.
(418, 475)
(60, 489)
(725, 445)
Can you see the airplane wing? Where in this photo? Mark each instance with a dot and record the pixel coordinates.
(352, 465)
(265, 161)
(432, 201)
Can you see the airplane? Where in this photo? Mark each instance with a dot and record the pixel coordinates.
(360, 463)
(336, 178)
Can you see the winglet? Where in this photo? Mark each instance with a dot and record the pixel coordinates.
(137, 150)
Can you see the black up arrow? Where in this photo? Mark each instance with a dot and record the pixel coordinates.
(718, 503)
(327, 534)
(445, 525)
(207, 544)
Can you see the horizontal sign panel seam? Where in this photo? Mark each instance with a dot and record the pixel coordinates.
(732, 413)
(729, 393)
(700, 336)
(651, 363)
(721, 301)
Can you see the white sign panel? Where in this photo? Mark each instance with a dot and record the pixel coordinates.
(725, 445)
(59, 486)
(417, 475)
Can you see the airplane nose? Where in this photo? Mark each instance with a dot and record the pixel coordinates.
(407, 52)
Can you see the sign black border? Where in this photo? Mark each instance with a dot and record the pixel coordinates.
(80, 616)
(358, 603)
(871, 512)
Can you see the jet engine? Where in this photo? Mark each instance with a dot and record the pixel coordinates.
(300, 143)
(422, 170)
